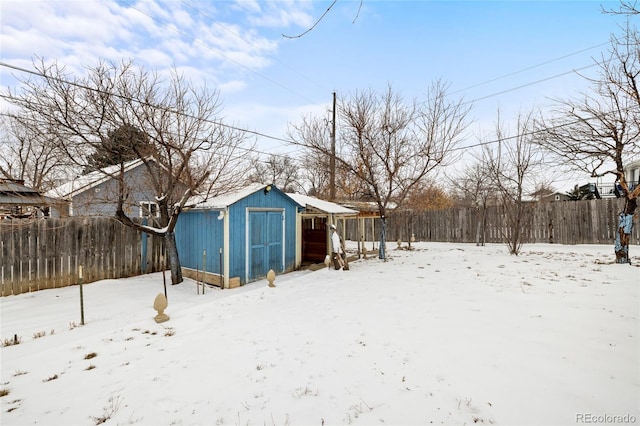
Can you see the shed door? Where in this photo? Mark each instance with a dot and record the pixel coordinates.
(265, 243)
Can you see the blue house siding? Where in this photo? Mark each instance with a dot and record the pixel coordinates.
(261, 236)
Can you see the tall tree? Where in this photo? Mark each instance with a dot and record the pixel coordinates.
(390, 145)
(192, 150)
(514, 165)
(598, 132)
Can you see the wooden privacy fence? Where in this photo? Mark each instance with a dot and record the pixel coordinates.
(46, 253)
(568, 222)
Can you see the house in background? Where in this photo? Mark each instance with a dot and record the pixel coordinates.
(238, 237)
(548, 195)
(96, 193)
(18, 201)
(613, 189)
(632, 174)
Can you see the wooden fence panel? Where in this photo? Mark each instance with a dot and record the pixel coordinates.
(580, 222)
(47, 253)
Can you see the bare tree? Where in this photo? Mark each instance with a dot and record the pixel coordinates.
(476, 190)
(316, 172)
(280, 170)
(192, 150)
(29, 154)
(514, 165)
(389, 145)
(598, 132)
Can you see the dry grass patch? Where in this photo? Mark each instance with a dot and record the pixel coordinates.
(16, 340)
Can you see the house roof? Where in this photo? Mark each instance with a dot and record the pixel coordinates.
(90, 180)
(17, 194)
(632, 165)
(312, 203)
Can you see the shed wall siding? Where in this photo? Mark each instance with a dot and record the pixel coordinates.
(197, 231)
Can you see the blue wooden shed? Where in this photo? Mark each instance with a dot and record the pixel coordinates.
(236, 238)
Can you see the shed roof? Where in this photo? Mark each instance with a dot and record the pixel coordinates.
(312, 203)
(225, 200)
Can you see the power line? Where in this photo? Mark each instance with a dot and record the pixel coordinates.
(530, 68)
(531, 83)
(288, 141)
(532, 133)
(39, 74)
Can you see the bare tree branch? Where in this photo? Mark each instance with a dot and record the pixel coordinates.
(191, 151)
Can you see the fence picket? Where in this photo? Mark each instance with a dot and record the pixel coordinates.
(46, 253)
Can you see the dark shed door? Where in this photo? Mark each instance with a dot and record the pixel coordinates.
(265, 243)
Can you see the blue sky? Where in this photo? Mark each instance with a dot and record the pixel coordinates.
(499, 54)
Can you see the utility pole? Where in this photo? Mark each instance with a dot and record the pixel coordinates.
(332, 160)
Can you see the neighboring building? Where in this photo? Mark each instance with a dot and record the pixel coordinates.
(558, 196)
(96, 193)
(547, 195)
(612, 189)
(632, 174)
(18, 201)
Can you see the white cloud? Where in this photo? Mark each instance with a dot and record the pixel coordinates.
(155, 34)
(280, 14)
(248, 5)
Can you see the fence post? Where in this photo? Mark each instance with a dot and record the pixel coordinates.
(81, 295)
(204, 268)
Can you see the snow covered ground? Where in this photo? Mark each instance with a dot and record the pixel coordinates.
(444, 334)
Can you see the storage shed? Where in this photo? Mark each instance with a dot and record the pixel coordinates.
(237, 237)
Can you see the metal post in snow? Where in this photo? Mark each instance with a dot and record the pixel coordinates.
(164, 278)
(204, 268)
(221, 274)
(81, 295)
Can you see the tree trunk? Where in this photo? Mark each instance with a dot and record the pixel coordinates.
(172, 257)
(383, 238)
(625, 226)
(481, 214)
